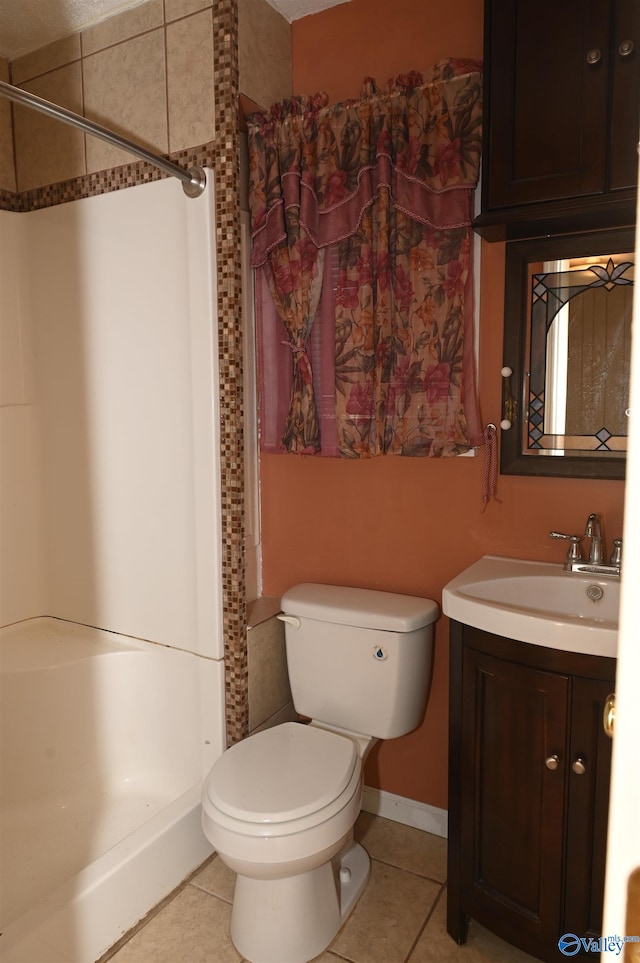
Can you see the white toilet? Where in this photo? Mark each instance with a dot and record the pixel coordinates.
(280, 806)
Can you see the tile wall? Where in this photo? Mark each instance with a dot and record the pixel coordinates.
(145, 73)
(264, 53)
(269, 692)
(7, 167)
(165, 74)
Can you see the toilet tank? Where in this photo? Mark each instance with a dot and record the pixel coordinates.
(357, 658)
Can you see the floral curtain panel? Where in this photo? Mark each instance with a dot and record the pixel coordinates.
(361, 217)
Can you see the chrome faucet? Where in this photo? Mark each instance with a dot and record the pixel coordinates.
(592, 531)
(595, 564)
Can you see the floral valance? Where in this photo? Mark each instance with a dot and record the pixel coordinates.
(362, 246)
(420, 138)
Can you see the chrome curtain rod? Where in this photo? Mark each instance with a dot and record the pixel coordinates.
(193, 180)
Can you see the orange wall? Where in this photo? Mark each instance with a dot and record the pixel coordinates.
(409, 524)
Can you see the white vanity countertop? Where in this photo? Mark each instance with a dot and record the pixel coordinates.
(538, 603)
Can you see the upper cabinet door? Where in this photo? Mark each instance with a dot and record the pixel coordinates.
(548, 105)
(625, 96)
(562, 106)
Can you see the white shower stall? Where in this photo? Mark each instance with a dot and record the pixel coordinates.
(111, 646)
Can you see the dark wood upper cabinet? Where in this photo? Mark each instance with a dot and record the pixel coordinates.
(561, 121)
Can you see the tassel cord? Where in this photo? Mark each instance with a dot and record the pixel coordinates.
(490, 464)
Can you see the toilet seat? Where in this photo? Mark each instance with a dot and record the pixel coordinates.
(285, 844)
(282, 774)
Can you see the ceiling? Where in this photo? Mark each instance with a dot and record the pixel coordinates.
(26, 25)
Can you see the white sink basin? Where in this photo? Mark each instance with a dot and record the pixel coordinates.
(537, 602)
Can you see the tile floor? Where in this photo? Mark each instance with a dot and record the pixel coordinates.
(400, 917)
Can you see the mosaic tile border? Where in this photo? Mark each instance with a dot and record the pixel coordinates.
(227, 150)
(10, 201)
(103, 182)
(223, 156)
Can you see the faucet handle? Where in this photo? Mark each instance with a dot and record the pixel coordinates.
(616, 555)
(574, 554)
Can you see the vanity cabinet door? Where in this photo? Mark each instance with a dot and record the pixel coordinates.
(529, 773)
(514, 726)
(588, 808)
(561, 117)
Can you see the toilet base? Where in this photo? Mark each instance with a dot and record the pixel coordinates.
(294, 919)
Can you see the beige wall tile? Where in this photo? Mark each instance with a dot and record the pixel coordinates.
(286, 714)
(123, 26)
(125, 90)
(174, 9)
(7, 167)
(266, 606)
(190, 81)
(45, 59)
(269, 687)
(48, 151)
(264, 52)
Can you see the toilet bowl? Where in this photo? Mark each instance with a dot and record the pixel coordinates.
(280, 806)
(280, 809)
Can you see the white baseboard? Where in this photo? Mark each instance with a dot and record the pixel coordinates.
(408, 811)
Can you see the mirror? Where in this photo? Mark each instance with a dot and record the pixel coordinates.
(567, 339)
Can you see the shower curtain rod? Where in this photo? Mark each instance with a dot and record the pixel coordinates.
(193, 180)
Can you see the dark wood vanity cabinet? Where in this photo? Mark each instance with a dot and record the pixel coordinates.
(528, 790)
(561, 117)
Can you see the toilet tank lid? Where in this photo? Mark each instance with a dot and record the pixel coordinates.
(367, 608)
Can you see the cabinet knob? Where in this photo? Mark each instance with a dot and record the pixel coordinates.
(594, 56)
(552, 762)
(579, 766)
(626, 48)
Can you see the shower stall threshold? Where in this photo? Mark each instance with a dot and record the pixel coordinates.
(82, 916)
(45, 842)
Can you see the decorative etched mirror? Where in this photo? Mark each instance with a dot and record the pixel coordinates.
(568, 309)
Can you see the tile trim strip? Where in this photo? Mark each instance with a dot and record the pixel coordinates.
(226, 84)
(103, 182)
